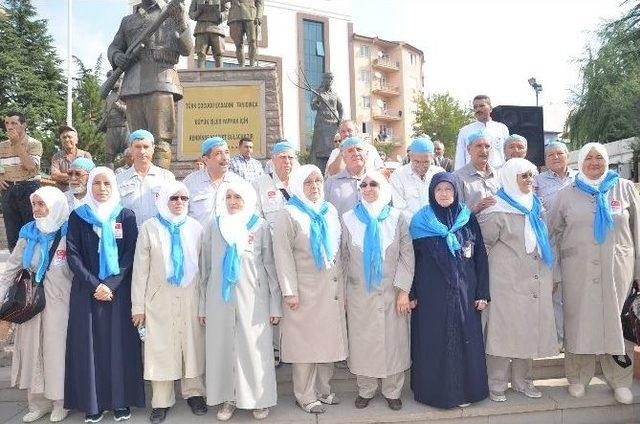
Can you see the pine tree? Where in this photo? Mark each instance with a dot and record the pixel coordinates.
(89, 109)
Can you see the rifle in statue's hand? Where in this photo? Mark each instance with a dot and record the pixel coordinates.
(133, 51)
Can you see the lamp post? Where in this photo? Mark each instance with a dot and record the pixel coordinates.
(537, 87)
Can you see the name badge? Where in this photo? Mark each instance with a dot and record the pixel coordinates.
(271, 194)
(616, 207)
(117, 230)
(59, 258)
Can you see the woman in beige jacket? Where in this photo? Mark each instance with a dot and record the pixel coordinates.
(40, 343)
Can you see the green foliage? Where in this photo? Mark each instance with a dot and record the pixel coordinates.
(440, 117)
(89, 109)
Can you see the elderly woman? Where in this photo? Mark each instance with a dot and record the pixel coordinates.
(306, 250)
(595, 227)
(378, 254)
(450, 288)
(240, 301)
(103, 361)
(520, 324)
(39, 349)
(165, 300)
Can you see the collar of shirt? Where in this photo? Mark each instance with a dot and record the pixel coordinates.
(345, 175)
(276, 181)
(569, 174)
(204, 176)
(132, 173)
(471, 170)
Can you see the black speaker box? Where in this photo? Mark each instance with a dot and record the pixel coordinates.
(526, 121)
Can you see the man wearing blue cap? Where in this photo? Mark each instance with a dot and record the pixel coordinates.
(342, 189)
(515, 146)
(78, 173)
(61, 160)
(336, 164)
(411, 182)
(140, 184)
(271, 188)
(204, 183)
(497, 130)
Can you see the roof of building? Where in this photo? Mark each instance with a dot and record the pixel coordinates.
(377, 39)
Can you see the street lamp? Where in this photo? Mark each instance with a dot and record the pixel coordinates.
(537, 87)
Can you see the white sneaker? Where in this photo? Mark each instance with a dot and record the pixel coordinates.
(226, 411)
(464, 405)
(529, 391)
(623, 395)
(576, 390)
(58, 414)
(260, 414)
(497, 396)
(35, 415)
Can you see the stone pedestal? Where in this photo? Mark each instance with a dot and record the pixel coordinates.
(230, 103)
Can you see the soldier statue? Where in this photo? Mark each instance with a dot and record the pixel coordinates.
(209, 15)
(151, 86)
(245, 17)
(114, 123)
(328, 116)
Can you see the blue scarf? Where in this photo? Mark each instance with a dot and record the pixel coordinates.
(109, 263)
(319, 230)
(231, 264)
(538, 225)
(35, 237)
(177, 254)
(425, 223)
(372, 249)
(603, 221)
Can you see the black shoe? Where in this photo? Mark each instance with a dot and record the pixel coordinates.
(198, 405)
(362, 402)
(394, 404)
(93, 418)
(121, 414)
(158, 415)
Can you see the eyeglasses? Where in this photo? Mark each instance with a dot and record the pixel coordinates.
(528, 174)
(176, 198)
(372, 184)
(76, 174)
(317, 181)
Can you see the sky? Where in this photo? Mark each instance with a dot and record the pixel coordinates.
(490, 46)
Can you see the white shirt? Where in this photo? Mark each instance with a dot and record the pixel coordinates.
(374, 161)
(140, 194)
(410, 192)
(202, 193)
(498, 131)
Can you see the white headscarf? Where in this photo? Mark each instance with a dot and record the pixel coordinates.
(234, 227)
(296, 185)
(162, 202)
(582, 155)
(58, 207)
(102, 210)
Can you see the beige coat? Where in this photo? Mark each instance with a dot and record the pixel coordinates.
(174, 341)
(316, 332)
(519, 319)
(378, 336)
(596, 278)
(40, 343)
(240, 362)
(270, 198)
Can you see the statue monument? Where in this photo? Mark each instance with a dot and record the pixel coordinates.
(245, 17)
(209, 15)
(328, 116)
(114, 123)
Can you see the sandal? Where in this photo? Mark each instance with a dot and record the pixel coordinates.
(314, 407)
(330, 399)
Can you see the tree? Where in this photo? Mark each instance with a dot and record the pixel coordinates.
(31, 79)
(89, 109)
(440, 117)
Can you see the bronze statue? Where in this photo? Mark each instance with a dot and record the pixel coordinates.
(114, 123)
(146, 48)
(208, 14)
(245, 17)
(329, 112)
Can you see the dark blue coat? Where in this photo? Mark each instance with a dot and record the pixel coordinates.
(447, 348)
(103, 360)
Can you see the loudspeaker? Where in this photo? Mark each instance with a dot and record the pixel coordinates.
(528, 122)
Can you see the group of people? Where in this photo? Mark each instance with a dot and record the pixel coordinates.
(450, 275)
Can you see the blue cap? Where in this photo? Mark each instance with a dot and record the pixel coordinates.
(478, 135)
(281, 146)
(141, 134)
(83, 163)
(421, 145)
(556, 144)
(515, 137)
(210, 143)
(350, 141)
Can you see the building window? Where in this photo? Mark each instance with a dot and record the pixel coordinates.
(365, 76)
(314, 68)
(366, 101)
(366, 127)
(365, 51)
(413, 58)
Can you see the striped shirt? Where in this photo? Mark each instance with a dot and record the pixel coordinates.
(12, 165)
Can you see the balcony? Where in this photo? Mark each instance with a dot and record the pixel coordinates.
(384, 89)
(386, 63)
(387, 115)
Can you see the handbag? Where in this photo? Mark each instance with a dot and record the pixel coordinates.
(630, 316)
(25, 298)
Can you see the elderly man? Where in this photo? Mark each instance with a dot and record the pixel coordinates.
(61, 160)
(515, 146)
(547, 185)
(140, 184)
(478, 179)
(336, 164)
(342, 189)
(243, 164)
(78, 173)
(204, 183)
(411, 182)
(19, 174)
(496, 130)
(272, 188)
(439, 157)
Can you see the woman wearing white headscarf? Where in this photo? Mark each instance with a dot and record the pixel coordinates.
(306, 250)
(520, 324)
(39, 347)
(165, 300)
(595, 227)
(103, 361)
(240, 301)
(378, 253)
